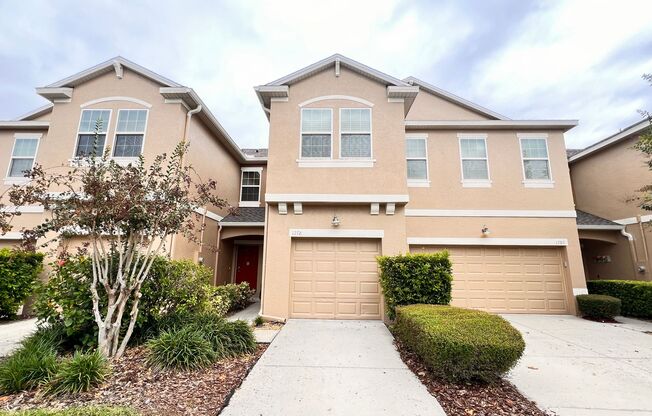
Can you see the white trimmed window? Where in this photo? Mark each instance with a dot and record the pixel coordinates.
(130, 133)
(92, 122)
(536, 162)
(355, 133)
(474, 160)
(23, 154)
(250, 187)
(416, 153)
(316, 133)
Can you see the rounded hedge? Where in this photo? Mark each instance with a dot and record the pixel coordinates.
(459, 344)
(598, 306)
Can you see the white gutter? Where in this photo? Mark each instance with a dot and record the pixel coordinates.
(632, 249)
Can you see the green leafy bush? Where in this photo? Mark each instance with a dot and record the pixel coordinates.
(32, 365)
(459, 344)
(598, 306)
(79, 373)
(233, 297)
(415, 278)
(18, 275)
(259, 321)
(636, 296)
(182, 349)
(74, 411)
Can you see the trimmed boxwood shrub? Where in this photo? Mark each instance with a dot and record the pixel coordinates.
(598, 306)
(415, 278)
(18, 273)
(636, 296)
(459, 344)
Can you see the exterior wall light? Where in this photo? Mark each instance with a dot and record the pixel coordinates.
(335, 222)
(485, 230)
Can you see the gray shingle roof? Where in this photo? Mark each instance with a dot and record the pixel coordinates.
(255, 152)
(584, 218)
(571, 152)
(247, 214)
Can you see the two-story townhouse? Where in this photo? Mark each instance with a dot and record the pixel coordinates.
(362, 164)
(616, 236)
(141, 113)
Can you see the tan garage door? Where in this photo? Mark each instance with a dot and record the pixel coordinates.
(335, 279)
(507, 279)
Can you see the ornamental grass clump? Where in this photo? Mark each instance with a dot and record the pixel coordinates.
(78, 373)
(181, 349)
(31, 366)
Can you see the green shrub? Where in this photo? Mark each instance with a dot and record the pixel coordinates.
(236, 338)
(415, 278)
(459, 344)
(74, 411)
(19, 272)
(32, 365)
(636, 296)
(259, 321)
(233, 297)
(598, 306)
(182, 349)
(79, 373)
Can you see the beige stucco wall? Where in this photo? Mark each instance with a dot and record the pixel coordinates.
(430, 107)
(605, 184)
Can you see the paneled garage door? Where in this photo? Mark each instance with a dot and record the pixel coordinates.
(335, 279)
(507, 279)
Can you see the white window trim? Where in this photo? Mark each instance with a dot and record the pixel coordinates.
(535, 183)
(15, 180)
(418, 183)
(371, 136)
(301, 133)
(335, 163)
(474, 183)
(106, 135)
(260, 186)
(122, 160)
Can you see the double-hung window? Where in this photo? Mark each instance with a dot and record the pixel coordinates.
(474, 160)
(129, 133)
(355, 133)
(91, 135)
(23, 155)
(316, 133)
(250, 187)
(536, 164)
(416, 153)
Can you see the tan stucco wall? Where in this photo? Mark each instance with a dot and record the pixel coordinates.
(430, 107)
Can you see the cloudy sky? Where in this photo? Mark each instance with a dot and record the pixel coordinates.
(523, 59)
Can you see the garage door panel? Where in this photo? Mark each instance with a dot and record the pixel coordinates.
(508, 279)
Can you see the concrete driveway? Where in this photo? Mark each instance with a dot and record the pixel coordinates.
(577, 367)
(318, 367)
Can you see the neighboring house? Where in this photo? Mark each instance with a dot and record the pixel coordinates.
(606, 177)
(142, 113)
(363, 164)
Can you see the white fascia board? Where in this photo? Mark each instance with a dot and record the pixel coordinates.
(334, 233)
(514, 213)
(600, 227)
(209, 214)
(628, 131)
(486, 241)
(25, 125)
(337, 198)
(489, 124)
(35, 113)
(242, 224)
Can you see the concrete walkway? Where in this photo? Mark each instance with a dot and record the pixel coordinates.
(317, 367)
(11, 333)
(576, 367)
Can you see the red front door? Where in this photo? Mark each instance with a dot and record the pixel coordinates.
(247, 265)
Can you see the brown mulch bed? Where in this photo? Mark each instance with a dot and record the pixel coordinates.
(470, 399)
(132, 384)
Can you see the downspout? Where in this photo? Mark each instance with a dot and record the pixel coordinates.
(217, 252)
(632, 248)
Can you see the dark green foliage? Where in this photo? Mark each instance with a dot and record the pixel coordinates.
(74, 411)
(78, 373)
(598, 306)
(182, 349)
(259, 321)
(636, 296)
(18, 275)
(32, 365)
(232, 297)
(459, 344)
(415, 278)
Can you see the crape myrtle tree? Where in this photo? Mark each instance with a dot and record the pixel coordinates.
(644, 144)
(125, 215)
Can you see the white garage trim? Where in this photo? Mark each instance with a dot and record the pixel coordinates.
(526, 213)
(330, 233)
(486, 241)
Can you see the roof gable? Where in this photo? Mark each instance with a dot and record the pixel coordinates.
(624, 134)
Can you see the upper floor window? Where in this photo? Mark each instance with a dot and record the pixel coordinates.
(355, 132)
(129, 133)
(250, 187)
(416, 152)
(536, 164)
(316, 132)
(475, 163)
(23, 155)
(92, 122)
